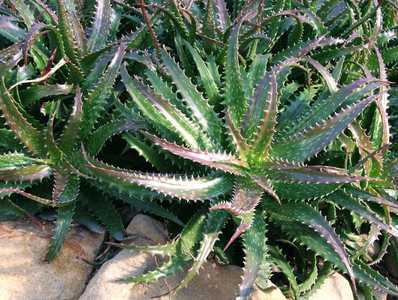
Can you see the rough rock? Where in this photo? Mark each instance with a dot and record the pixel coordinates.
(143, 231)
(24, 275)
(213, 282)
(271, 293)
(335, 287)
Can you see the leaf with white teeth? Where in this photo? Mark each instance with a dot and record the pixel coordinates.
(246, 198)
(180, 255)
(14, 160)
(364, 274)
(310, 174)
(25, 173)
(263, 107)
(222, 18)
(181, 187)
(71, 132)
(17, 122)
(364, 196)
(305, 214)
(201, 110)
(323, 108)
(347, 202)
(235, 100)
(7, 191)
(256, 253)
(266, 184)
(66, 187)
(382, 103)
(105, 132)
(365, 147)
(212, 230)
(161, 111)
(95, 101)
(235, 133)
(62, 226)
(73, 36)
(282, 263)
(305, 145)
(266, 129)
(331, 83)
(101, 26)
(221, 161)
(206, 77)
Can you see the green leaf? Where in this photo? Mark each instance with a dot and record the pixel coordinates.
(101, 26)
(25, 12)
(331, 83)
(297, 173)
(363, 273)
(180, 257)
(305, 214)
(10, 31)
(62, 226)
(106, 132)
(256, 72)
(367, 197)
(103, 209)
(263, 106)
(33, 94)
(13, 160)
(212, 230)
(71, 30)
(310, 142)
(25, 173)
(17, 122)
(222, 161)
(66, 187)
(323, 108)
(266, 129)
(256, 259)
(161, 111)
(206, 76)
(235, 99)
(95, 102)
(71, 134)
(342, 199)
(150, 154)
(277, 258)
(222, 16)
(312, 278)
(200, 109)
(181, 187)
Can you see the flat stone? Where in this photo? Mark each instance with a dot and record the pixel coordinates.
(335, 287)
(213, 281)
(142, 226)
(144, 231)
(24, 275)
(270, 293)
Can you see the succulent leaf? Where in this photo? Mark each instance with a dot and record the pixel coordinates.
(305, 214)
(222, 161)
(62, 226)
(17, 122)
(256, 252)
(310, 142)
(181, 187)
(101, 25)
(198, 105)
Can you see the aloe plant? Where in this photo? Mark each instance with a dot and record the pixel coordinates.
(250, 157)
(59, 56)
(271, 116)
